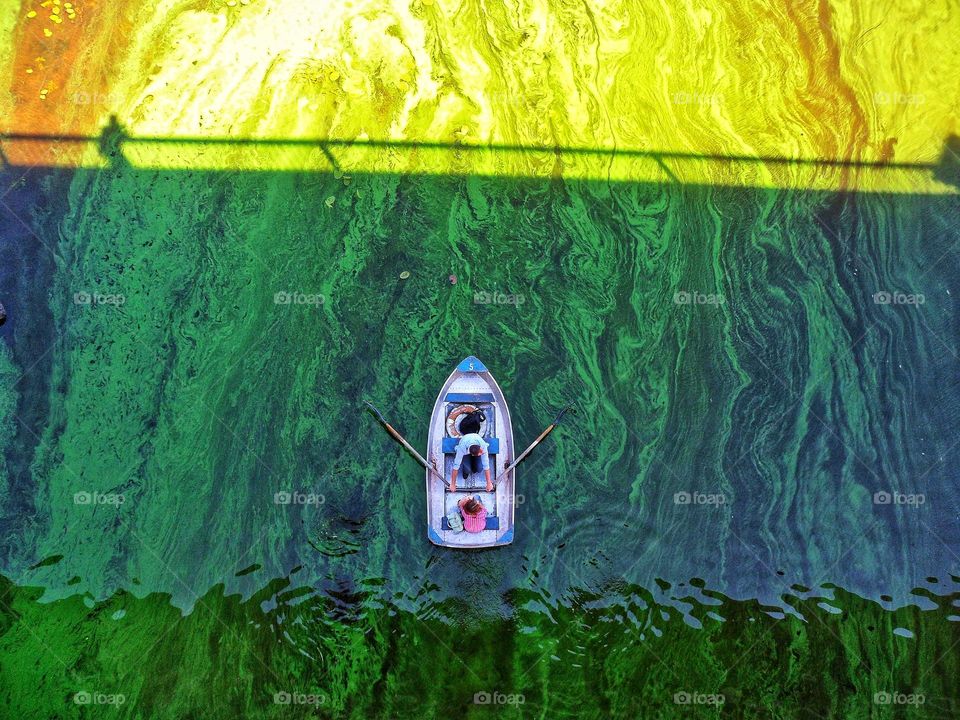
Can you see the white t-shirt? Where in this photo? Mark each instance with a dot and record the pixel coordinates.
(463, 448)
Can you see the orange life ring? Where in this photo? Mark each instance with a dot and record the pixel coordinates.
(452, 429)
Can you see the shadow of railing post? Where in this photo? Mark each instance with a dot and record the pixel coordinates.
(663, 166)
(948, 169)
(329, 155)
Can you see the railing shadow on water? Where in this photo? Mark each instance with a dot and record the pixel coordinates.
(114, 138)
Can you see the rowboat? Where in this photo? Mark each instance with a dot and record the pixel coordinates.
(470, 385)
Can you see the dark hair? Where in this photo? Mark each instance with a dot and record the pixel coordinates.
(472, 506)
(474, 449)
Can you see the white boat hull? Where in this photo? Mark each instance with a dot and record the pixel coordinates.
(471, 384)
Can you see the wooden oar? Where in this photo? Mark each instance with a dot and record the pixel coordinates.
(399, 438)
(536, 442)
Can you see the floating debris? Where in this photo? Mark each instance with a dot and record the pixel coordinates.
(330, 201)
(405, 274)
(452, 279)
(3, 314)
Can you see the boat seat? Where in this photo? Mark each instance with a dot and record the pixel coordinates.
(450, 445)
(469, 397)
(493, 523)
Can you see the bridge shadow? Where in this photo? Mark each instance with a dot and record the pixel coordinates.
(114, 144)
(199, 256)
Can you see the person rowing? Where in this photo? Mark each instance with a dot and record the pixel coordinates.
(472, 456)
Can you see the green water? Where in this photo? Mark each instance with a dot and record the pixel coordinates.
(610, 652)
(146, 359)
